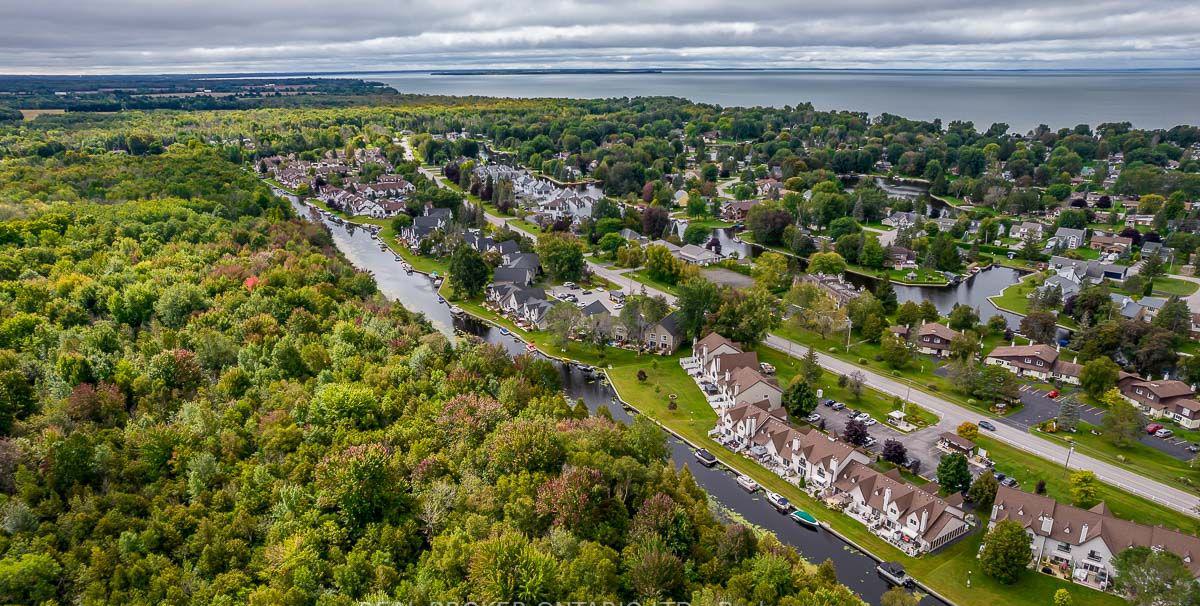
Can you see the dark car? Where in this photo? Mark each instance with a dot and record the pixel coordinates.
(987, 425)
(1010, 482)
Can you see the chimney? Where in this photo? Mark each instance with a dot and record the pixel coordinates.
(1047, 524)
(1083, 533)
(887, 497)
(924, 520)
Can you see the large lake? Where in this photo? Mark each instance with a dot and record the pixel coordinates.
(1023, 99)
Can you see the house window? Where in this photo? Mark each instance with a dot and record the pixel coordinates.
(1028, 361)
(1041, 363)
(1064, 548)
(1093, 556)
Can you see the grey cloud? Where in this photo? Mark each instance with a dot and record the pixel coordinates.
(61, 36)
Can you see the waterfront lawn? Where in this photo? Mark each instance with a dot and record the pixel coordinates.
(945, 571)
(1028, 469)
(1168, 286)
(1015, 299)
(573, 350)
(924, 277)
(709, 223)
(1137, 457)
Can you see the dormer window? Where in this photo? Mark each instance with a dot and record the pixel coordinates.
(1028, 361)
(1041, 363)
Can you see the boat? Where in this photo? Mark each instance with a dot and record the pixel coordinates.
(504, 331)
(705, 458)
(805, 519)
(779, 502)
(747, 483)
(441, 299)
(894, 573)
(530, 347)
(456, 310)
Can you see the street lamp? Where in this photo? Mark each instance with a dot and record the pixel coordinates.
(1067, 463)
(849, 325)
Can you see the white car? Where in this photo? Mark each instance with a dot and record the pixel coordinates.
(570, 285)
(813, 418)
(862, 416)
(869, 422)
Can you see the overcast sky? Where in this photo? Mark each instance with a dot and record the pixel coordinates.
(158, 36)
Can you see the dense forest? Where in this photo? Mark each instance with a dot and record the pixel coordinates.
(201, 402)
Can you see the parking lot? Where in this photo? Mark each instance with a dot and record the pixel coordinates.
(583, 298)
(1036, 408)
(920, 444)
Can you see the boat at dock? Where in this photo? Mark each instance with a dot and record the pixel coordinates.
(747, 484)
(894, 573)
(805, 519)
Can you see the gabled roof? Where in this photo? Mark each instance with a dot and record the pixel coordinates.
(1046, 517)
(714, 340)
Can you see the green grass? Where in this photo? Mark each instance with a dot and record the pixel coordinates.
(924, 277)
(946, 571)
(640, 275)
(526, 225)
(709, 223)
(919, 374)
(872, 402)
(1138, 457)
(1015, 299)
(1028, 469)
(1174, 287)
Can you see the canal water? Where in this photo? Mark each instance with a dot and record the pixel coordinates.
(416, 292)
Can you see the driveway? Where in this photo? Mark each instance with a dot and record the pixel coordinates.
(920, 444)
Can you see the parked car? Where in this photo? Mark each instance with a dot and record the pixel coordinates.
(570, 285)
(828, 402)
(1164, 433)
(1053, 394)
(869, 442)
(767, 368)
(1193, 448)
(987, 425)
(813, 418)
(838, 406)
(912, 464)
(869, 422)
(1153, 428)
(862, 416)
(1010, 482)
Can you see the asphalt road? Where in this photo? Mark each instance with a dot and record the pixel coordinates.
(952, 415)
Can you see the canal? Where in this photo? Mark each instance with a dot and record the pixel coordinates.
(416, 292)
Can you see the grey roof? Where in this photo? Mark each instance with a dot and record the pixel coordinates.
(595, 308)
(508, 247)
(670, 323)
(516, 275)
(439, 213)
(525, 260)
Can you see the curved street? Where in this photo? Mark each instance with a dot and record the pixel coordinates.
(951, 415)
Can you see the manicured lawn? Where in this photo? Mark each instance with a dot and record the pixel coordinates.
(1138, 457)
(1028, 469)
(709, 223)
(641, 276)
(872, 402)
(923, 276)
(919, 374)
(1174, 286)
(526, 225)
(946, 571)
(544, 340)
(1015, 299)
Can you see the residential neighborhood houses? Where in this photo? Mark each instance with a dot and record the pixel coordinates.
(752, 420)
(1080, 544)
(919, 517)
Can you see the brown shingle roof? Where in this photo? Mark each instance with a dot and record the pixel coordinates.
(1067, 525)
